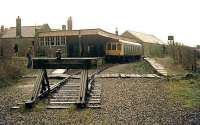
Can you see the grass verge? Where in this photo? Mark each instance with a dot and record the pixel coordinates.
(187, 92)
(10, 73)
(142, 67)
(172, 69)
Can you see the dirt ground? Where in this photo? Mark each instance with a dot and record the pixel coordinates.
(128, 101)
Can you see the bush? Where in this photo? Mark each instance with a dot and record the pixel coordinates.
(8, 73)
(184, 55)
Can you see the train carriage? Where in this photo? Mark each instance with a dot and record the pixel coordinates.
(122, 50)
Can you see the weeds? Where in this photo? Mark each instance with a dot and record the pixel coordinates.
(10, 72)
(142, 67)
(185, 91)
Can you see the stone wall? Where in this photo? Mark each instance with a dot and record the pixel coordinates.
(7, 46)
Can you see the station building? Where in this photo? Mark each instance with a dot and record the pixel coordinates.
(21, 36)
(76, 43)
(44, 41)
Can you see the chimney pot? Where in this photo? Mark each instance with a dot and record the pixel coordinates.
(116, 31)
(69, 23)
(18, 27)
(63, 27)
(2, 28)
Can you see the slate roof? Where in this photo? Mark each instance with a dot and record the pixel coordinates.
(147, 38)
(27, 31)
(87, 32)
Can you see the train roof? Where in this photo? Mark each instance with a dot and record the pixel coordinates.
(128, 42)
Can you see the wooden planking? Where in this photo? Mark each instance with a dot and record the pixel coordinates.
(59, 71)
(158, 67)
(122, 75)
(113, 75)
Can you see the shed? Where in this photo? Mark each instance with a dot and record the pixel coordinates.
(152, 46)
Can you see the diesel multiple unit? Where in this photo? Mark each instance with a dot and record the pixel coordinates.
(123, 50)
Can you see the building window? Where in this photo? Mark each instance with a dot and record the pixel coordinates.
(57, 40)
(41, 43)
(62, 40)
(47, 43)
(41, 39)
(52, 43)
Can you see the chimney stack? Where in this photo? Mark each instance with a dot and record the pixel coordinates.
(2, 28)
(69, 23)
(18, 27)
(63, 27)
(116, 31)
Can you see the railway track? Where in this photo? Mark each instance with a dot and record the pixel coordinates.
(80, 90)
(68, 94)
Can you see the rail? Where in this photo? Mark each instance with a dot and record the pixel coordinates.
(38, 92)
(42, 87)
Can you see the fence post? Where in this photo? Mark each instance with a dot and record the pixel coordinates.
(194, 64)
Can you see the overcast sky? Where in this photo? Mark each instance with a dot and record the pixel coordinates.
(161, 18)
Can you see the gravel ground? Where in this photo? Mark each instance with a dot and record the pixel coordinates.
(136, 67)
(124, 101)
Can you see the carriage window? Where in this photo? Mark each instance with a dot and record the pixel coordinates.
(113, 46)
(109, 46)
(118, 46)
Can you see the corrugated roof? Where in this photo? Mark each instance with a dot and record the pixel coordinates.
(148, 38)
